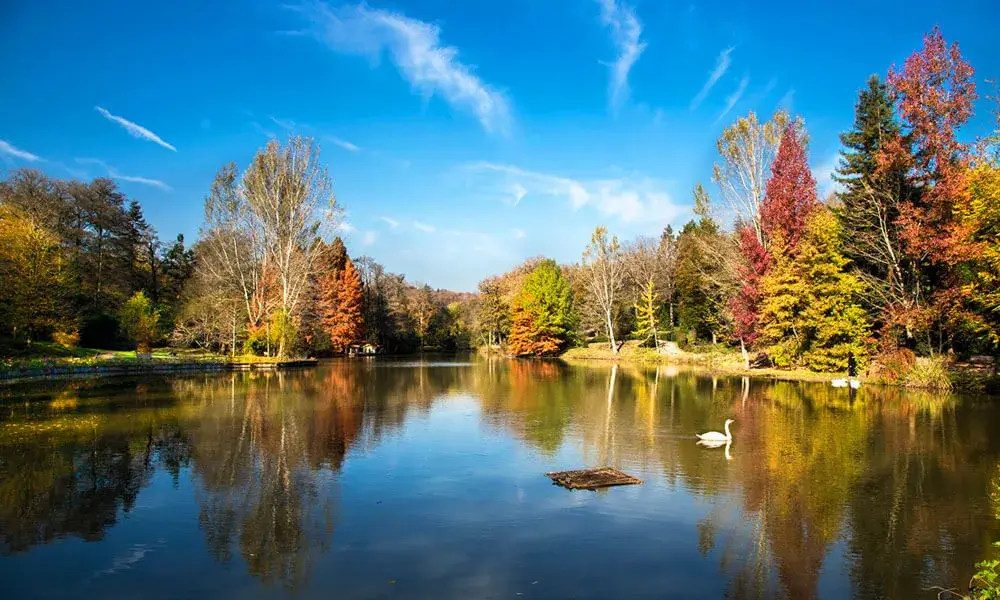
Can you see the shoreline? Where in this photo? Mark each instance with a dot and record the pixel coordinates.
(730, 363)
(119, 368)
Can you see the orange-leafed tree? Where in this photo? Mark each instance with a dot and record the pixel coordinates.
(341, 303)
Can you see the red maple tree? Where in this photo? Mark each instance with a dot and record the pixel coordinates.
(745, 305)
(791, 192)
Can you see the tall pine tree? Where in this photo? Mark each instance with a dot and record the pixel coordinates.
(343, 315)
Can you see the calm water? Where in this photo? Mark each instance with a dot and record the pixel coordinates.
(367, 479)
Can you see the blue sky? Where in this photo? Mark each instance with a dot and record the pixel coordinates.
(463, 137)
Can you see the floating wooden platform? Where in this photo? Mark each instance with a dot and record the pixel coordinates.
(591, 479)
(273, 365)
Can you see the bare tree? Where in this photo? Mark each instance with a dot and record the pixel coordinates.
(746, 149)
(262, 230)
(285, 189)
(604, 276)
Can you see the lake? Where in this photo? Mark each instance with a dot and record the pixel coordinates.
(419, 479)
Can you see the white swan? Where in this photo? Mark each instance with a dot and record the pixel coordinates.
(839, 383)
(719, 444)
(715, 436)
(855, 384)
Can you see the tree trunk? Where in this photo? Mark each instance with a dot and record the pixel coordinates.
(746, 355)
(611, 335)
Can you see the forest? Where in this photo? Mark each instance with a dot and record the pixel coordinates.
(900, 264)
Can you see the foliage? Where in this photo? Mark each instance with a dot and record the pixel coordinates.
(810, 313)
(542, 318)
(66, 339)
(981, 217)
(929, 373)
(646, 310)
(791, 192)
(343, 315)
(141, 321)
(985, 584)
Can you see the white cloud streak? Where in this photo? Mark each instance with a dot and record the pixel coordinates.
(424, 227)
(415, 48)
(393, 223)
(625, 32)
(114, 174)
(11, 150)
(136, 130)
(369, 238)
(343, 143)
(733, 98)
(629, 200)
(721, 66)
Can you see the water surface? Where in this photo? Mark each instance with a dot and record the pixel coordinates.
(377, 479)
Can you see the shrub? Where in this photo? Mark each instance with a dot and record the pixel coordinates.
(930, 373)
(892, 366)
(141, 321)
(66, 339)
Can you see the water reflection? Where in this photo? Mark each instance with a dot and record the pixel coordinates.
(891, 490)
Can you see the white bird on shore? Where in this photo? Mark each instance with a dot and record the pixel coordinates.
(855, 384)
(715, 436)
(839, 383)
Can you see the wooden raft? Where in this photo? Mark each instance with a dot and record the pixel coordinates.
(591, 479)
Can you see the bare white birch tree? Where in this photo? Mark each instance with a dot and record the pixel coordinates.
(746, 150)
(604, 276)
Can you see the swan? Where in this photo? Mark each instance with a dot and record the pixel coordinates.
(719, 444)
(715, 436)
(855, 384)
(839, 383)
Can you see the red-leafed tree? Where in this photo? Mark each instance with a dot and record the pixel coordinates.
(341, 299)
(935, 91)
(791, 192)
(745, 305)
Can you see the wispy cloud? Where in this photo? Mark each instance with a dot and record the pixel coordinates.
(114, 174)
(343, 143)
(628, 199)
(721, 66)
(136, 130)
(787, 100)
(415, 48)
(369, 238)
(519, 192)
(262, 130)
(393, 223)
(424, 227)
(11, 150)
(625, 32)
(286, 124)
(733, 98)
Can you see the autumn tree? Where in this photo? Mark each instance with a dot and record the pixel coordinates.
(791, 192)
(493, 312)
(747, 149)
(810, 313)
(645, 314)
(542, 315)
(343, 309)
(604, 278)
(934, 90)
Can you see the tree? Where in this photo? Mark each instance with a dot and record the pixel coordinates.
(791, 192)
(645, 314)
(604, 276)
(542, 316)
(981, 217)
(746, 149)
(33, 290)
(344, 318)
(810, 312)
(141, 321)
(935, 91)
(493, 311)
(285, 188)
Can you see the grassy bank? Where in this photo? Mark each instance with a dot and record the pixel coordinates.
(46, 360)
(720, 359)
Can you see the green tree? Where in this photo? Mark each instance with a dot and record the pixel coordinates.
(543, 318)
(140, 320)
(810, 313)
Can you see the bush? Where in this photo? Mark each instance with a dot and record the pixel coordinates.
(140, 321)
(929, 373)
(985, 584)
(101, 331)
(66, 339)
(892, 366)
